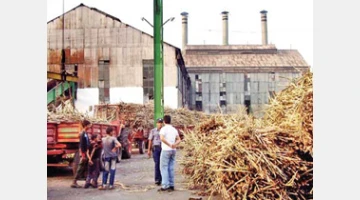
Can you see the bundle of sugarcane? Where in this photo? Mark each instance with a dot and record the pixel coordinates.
(293, 109)
(240, 157)
(143, 115)
(67, 113)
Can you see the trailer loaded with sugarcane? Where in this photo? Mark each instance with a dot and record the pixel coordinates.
(63, 132)
(63, 142)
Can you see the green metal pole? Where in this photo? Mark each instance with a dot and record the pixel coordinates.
(158, 61)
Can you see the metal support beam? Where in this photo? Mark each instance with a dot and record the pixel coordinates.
(59, 90)
(158, 61)
(58, 76)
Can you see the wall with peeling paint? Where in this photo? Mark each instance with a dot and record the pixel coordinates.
(91, 35)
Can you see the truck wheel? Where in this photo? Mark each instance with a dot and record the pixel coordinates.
(126, 154)
(141, 145)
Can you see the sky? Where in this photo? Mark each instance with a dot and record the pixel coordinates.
(290, 22)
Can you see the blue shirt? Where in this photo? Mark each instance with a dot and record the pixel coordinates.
(154, 136)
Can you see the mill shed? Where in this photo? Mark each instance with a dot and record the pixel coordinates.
(226, 76)
(114, 59)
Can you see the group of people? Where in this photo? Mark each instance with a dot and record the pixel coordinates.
(163, 141)
(90, 158)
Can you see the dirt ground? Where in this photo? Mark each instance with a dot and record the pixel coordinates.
(134, 180)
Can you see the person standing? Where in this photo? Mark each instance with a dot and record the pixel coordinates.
(169, 137)
(83, 147)
(121, 127)
(110, 146)
(94, 154)
(155, 148)
(124, 140)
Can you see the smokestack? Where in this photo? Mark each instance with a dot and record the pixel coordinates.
(264, 27)
(184, 29)
(225, 22)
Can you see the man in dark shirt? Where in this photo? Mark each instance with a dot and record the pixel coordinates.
(123, 138)
(83, 147)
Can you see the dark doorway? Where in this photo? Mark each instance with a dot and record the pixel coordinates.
(247, 105)
(199, 106)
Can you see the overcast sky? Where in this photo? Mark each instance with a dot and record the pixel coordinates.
(290, 22)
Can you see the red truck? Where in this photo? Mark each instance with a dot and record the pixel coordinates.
(140, 139)
(63, 142)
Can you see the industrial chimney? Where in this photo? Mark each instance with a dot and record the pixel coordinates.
(264, 27)
(225, 22)
(184, 29)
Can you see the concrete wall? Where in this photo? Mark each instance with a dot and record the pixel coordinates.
(126, 94)
(89, 96)
(171, 98)
(85, 98)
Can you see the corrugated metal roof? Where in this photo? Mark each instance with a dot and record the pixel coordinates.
(95, 9)
(230, 47)
(241, 56)
(108, 15)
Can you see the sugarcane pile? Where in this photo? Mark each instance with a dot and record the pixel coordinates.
(67, 113)
(143, 115)
(241, 157)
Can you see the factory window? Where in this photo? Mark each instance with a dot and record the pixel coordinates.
(148, 79)
(247, 83)
(222, 87)
(104, 81)
(198, 84)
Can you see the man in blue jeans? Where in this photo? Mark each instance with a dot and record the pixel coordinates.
(155, 148)
(169, 137)
(110, 145)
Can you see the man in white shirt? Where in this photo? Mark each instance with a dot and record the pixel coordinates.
(169, 137)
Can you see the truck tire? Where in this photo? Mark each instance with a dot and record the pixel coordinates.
(126, 154)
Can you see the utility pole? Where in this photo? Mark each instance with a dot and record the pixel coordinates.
(158, 58)
(158, 61)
